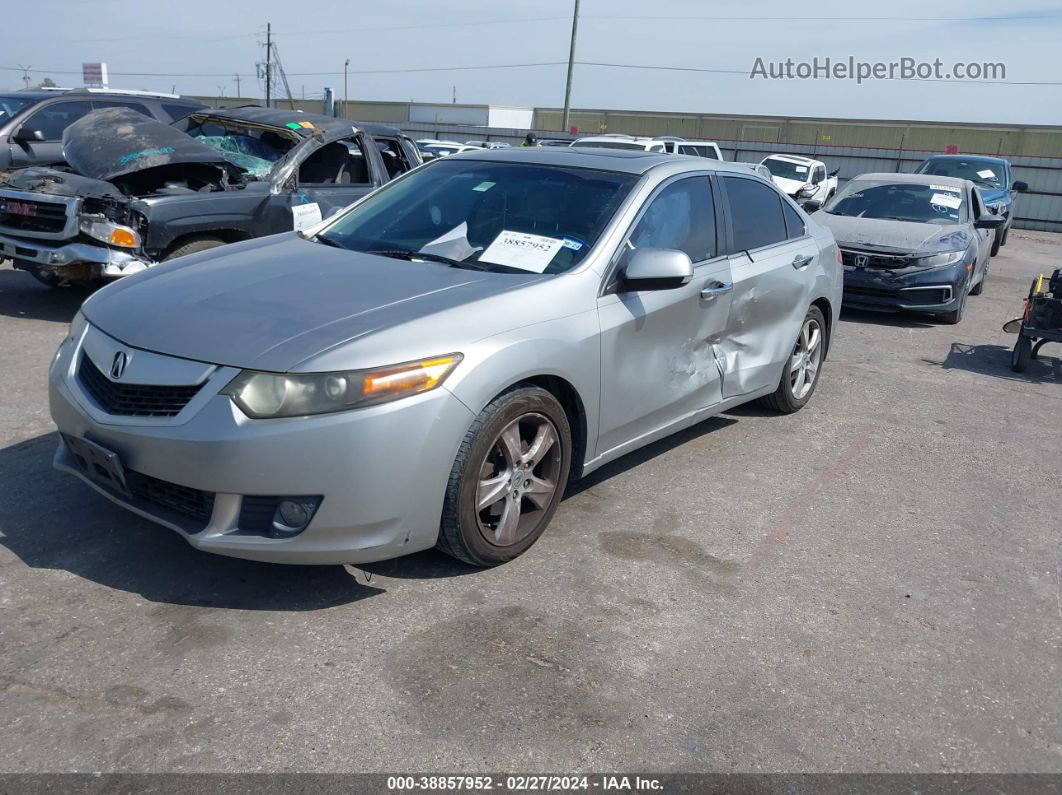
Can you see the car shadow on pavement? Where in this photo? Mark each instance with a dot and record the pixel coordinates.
(897, 319)
(22, 296)
(50, 520)
(994, 360)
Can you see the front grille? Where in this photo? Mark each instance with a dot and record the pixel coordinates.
(182, 499)
(31, 216)
(133, 400)
(873, 260)
(870, 296)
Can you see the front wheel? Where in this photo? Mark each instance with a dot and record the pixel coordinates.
(801, 374)
(1021, 355)
(508, 478)
(997, 241)
(954, 316)
(194, 246)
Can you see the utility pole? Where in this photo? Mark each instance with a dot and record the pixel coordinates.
(571, 66)
(25, 74)
(455, 94)
(269, 62)
(238, 85)
(346, 96)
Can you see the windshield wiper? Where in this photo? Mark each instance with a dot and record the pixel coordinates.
(328, 241)
(401, 253)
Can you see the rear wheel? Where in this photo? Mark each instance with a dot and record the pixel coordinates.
(801, 374)
(1021, 355)
(508, 478)
(194, 246)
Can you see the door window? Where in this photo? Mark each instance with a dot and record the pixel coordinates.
(338, 163)
(53, 120)
(100, 103)
(394, 158)
(755, 214)
(682, 217)
(794, 224)
(818, 175)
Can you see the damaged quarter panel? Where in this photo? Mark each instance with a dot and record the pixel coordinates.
(781, 261)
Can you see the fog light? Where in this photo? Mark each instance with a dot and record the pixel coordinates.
(293, 514)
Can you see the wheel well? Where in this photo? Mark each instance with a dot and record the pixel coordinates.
(227, 235)
(569, 398)
(824, 307)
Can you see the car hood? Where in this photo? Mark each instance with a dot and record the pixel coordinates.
(113, 142)
(275, 302)
(59, 183)
(788, 186)
(904, 236)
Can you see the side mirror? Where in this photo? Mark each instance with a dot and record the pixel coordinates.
(835, 172)
(988, 221)
(25, 135)
(1020, 186)
(657, 269)
(811, 206)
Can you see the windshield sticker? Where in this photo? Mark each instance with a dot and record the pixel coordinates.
(946, 200)
(573, 244)
(293, 125)
(986, 174)
(305, 216)
(165, 150)
(484, 186)
(521, 250)
(802, 169)
(947, 188)
(306, 124)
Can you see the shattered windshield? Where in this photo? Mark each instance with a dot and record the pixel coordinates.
(506, 217)
(10, 106)
(787, 169)
(251, 154)
(899, 201)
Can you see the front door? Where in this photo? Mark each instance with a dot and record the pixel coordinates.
(659, 348)
(51, 122)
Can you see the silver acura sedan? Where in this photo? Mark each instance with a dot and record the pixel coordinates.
(431, 366)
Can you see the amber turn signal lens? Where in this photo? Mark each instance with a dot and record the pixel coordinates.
(123, 237)
(406, 379)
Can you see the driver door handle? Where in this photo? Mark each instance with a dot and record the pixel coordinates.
(719, 288)
(801, 260)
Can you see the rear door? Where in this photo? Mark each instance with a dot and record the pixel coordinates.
(771, 260)
(658, 347)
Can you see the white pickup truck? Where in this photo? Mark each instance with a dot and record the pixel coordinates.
(802, 178)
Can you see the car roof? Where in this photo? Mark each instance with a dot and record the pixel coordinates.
(277, 117)
(917, 179)
(967, 157)
(626, 161)
(791, 158)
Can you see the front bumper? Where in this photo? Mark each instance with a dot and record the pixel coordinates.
(881, 290)
(63, 259)
(382, 470)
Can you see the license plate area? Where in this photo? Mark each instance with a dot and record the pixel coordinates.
(98, 463)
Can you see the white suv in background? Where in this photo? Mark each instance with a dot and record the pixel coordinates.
(801, 178)
(671, 145)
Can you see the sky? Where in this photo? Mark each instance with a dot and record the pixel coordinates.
(513, 53)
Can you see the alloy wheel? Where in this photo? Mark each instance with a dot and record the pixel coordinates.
(807, 356)
(518, 479)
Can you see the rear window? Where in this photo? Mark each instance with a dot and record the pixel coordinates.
(176, 112)
(755, 214)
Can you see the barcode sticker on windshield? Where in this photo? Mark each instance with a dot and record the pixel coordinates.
(986, 174)
(948, 188)
(946, 200)
(521, 250)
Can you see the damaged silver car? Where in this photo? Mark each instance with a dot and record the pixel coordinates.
(139, 192)
(431, 366)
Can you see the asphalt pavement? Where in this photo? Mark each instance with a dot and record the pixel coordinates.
(872, 584)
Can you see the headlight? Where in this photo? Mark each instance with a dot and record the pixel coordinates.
(110, 232)
(999, 208)
(271, 395)
(942, 259)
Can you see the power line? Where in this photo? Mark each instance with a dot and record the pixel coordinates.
(715, 18)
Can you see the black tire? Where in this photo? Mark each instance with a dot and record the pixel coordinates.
(997, 241)
(463, 530)
(783, 399)
(955, 316)
(193, 246)
(1021, 355)
(979, 288)
(1003, 240)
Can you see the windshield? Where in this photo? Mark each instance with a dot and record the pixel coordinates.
(506, 217)
(786, 169)
(10, 106)
(987, 173)
(252, 149)
(899, 201)
(609, 145)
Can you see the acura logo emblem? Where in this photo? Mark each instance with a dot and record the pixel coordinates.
(118, 365)
(861, 261)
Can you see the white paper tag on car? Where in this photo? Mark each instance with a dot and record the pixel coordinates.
(946, 200)
(986, 174)
(802, 169)
(305, 216)
(521, 250)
